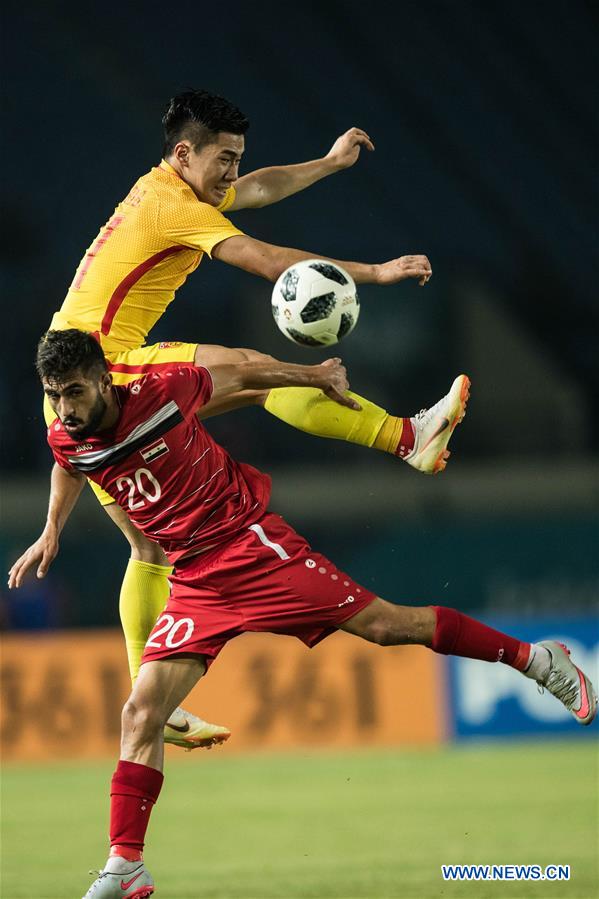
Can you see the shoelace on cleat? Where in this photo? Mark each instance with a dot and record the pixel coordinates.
(562, 687)
(421, 417)
(94, 886)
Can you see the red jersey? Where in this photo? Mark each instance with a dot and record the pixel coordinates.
(162, 467)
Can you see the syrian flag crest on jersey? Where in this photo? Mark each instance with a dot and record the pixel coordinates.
(154, 450)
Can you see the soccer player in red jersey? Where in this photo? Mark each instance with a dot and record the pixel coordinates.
(237, 567)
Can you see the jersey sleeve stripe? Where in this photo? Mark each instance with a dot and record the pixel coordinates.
(145, 368)
(127, 283)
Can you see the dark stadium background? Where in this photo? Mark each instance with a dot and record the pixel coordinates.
(486, 159)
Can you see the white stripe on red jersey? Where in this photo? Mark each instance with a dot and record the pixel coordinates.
(211, 495)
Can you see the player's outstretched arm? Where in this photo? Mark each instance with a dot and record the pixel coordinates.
(270, 261)
(65, 489)
(269, 185)
(330, 377)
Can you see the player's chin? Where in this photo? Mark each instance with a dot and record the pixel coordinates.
(218, 196)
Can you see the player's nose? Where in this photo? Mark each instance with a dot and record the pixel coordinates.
(65, 409)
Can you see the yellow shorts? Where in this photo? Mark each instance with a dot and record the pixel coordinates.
(130, 365)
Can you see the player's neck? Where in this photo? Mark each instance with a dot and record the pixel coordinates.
(112, 412)
(173, 166)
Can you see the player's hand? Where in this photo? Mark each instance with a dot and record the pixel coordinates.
(405, 267)
(346, 149)
(333, 383)
(40, 553)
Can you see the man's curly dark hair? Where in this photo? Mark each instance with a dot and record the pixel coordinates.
(59, 353)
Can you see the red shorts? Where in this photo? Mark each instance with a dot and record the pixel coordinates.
(266, 579)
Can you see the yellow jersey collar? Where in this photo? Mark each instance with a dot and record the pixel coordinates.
(166, 167)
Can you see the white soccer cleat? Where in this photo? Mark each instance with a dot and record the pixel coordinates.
(568, 683)
(190, 732)
(433, 428)
(121, 879)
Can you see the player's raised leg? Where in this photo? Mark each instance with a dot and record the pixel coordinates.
(450, 632)
(421, 440)
(144, 594)
(138, 778)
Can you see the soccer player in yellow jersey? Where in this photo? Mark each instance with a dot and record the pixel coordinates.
(156, 237)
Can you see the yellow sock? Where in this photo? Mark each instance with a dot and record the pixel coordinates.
(308, 409)
(144, 594)
(389, 436)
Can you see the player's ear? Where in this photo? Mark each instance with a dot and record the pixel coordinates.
(106, 382)
(181, 152)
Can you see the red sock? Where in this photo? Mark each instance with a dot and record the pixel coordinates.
(133, 792)
(459, 635)
(406, 441)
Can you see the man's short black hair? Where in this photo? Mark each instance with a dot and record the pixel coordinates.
(59, 353)
(198, 116)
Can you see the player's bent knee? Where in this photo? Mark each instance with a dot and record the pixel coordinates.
(211, 354)
(143, 550)
(393, 625)
(376, 631)
(141, 720)
(148, 552)
(382, 633)
(379, 622)
(255, 355)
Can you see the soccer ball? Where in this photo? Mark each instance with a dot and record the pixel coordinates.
(315, 303)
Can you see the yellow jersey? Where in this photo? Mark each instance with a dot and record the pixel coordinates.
(153, 241)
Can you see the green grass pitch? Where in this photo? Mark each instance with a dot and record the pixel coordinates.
(361, 824)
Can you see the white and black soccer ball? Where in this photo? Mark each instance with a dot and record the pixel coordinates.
(315, 303)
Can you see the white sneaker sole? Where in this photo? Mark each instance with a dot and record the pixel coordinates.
(432, 458)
